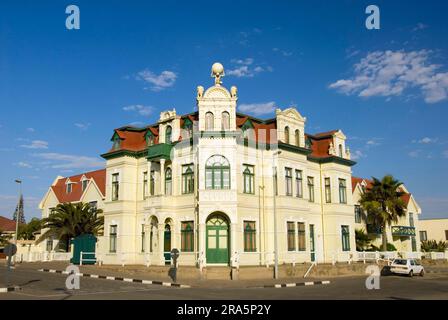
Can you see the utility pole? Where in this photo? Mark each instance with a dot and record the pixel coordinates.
(17, 215)
(274, 182)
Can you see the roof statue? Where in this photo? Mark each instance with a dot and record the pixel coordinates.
(217, 73)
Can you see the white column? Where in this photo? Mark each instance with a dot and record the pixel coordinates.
(148, 187)
(202, 241)
(233, 247)
(161, 243)
(162, 177)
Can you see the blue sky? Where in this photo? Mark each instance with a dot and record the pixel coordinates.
(63, 92)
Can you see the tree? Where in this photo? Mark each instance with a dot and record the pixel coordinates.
(434, 246)
(27, 231)
(69, 221)
(362, 240)
(19, 211)
(383, 204)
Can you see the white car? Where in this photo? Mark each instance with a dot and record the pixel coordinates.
(409, 267)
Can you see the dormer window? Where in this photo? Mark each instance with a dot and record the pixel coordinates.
(149, 139)
(85, 182)
(69, 187)
(188, 128)
(168, 133)
(297, 137)
(116, 142)
(341, 154)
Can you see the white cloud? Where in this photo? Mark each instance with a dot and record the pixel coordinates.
(30, 129)
(414, 153)
(425, 140)
(164, 80)
(22, 164)
(67, 161)
(358, 154)
(244, 68)
(390, 73)
(82, 126)
(258, 108)
(36, 144)
(420, 26)
(140, 109)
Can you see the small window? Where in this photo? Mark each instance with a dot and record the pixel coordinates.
(291, 226)
(113, 239)
(93, 205)
(342, 191)
(143, 237)
(411, 219)
(249, 236)
(49, 245)
(358, 214)
(115, 187)
(85, 183)
(288, 181)
(297, 137)
(116, 142)
(345, 235)
(301, 234)
(248, 177)
(341, 154)
(145, 184)
(446, 235)
(168, 181)
(168, 132)
(327, 190)
(187, 179)
(423, 236)
(69, 187)
(187, 236)
(188, 128)
(287, 135)
(413, 244)
(149, 139)
(311, 189)
(152, 183)
(299, 184)
(209, 121)
(225, 121)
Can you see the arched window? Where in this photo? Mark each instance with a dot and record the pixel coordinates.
(168, 132)
(209, 121)
(225, 121)
(217, 173)
(168, 181)
(297, 135)
(286, 134)
(340, 151)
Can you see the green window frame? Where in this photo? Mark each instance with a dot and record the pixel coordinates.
(168, 133)
(152, 183)
(188, 128)
(288, 182)
(411, 219)
(301, 236)
(327, 190)
(168, 181)
(413, 244)
(311, 189)
(217, 173)
(342, 191)
(187, 236)
(248, 179)
(143, 237)
(145, 184)
(358, 214)
(345, 235)
(150, 139)
(291, 235)
(84, 184)
(115, 186)
(250, 244)
(187, 179)
(113, 238)
(299, 184)
(116, 142)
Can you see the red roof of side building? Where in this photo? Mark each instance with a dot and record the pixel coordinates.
(406, 197)
(60, 188)
(7, 225)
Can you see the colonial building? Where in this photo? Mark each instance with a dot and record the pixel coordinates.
(221, 186)
(404, 234)
(434, 229)
(86, 187)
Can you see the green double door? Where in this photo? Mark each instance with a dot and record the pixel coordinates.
(217, 240)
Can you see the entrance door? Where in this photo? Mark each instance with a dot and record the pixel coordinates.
(312, 244)
(217, 237)
(167, 244)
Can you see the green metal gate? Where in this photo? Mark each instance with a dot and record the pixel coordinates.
(85, 243)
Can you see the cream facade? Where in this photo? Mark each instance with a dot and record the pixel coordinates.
(434, 229)
(215, 183)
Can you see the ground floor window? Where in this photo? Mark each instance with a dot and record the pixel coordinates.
(187, 236)
(301, 233)
(358, 214)
(291, 236)
(50, 245)
(423, 236)
(143, 238)
(249, 236)
(414, 244)
(113, 239)
(345, 234)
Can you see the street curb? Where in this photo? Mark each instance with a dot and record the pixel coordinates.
(95, 276)
(10, 289)
(300, 284)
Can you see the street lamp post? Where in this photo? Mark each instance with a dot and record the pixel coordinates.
(19, 182)
(274, 182)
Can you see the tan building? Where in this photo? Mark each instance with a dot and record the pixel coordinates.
(403, 235)
(434, 229)
(221, 186)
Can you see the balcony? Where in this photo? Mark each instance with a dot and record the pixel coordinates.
(403, 231)
(160, 151)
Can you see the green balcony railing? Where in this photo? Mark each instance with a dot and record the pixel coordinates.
(403, 231)
(160, 151)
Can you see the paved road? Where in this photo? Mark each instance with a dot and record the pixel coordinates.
(39, 285)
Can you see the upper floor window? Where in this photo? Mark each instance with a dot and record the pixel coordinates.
(288, 181)
(286, 134)
(187, 179)
(168, 132)
(152, 183)
(311, 189)
(342, 191)
(297, 137)
(115, 186)
(168, 181)
(188, 128)
(358, 214)
(116, 142)
(225, 121)
(248, 177)
(209, 121)
(217, 173)
(411, 219)
(327, 190)
(341, 154)
(149, 139)
(69, 187)
(299, 184)
(145, 184)
(84, 183)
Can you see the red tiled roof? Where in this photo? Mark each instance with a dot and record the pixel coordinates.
(7, 224)
(406, 197)
(60, 190)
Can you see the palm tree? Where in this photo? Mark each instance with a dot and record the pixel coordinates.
(383, 203)
(69, 220)
(434, 246)
(362, 239)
